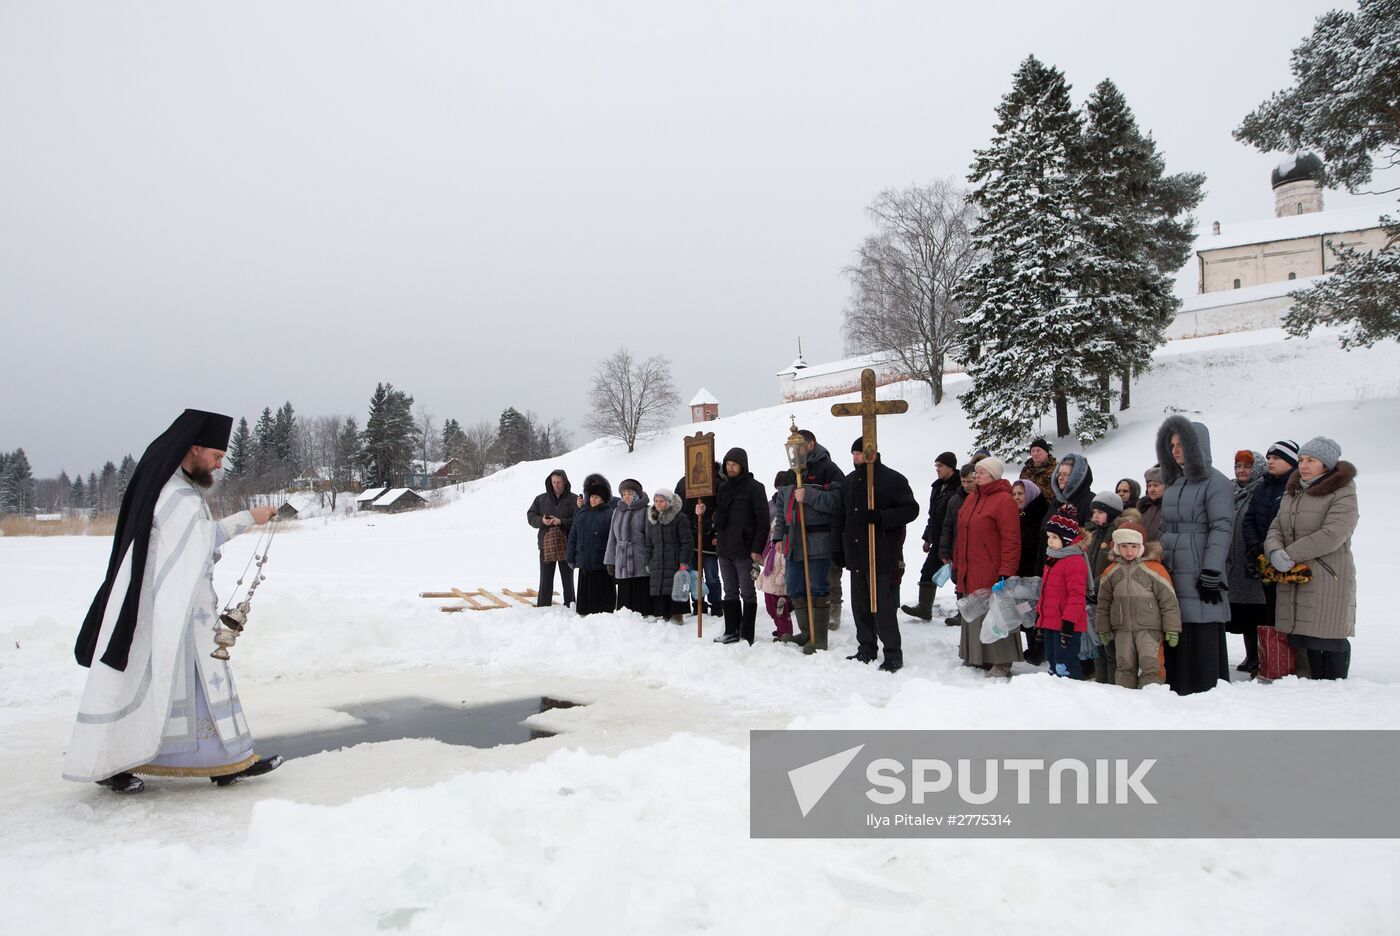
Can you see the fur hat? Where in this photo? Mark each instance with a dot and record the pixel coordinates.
(948, 460)
(1153, 474)
(993, 466)
(1065, 523)
(1324, 450)
(631, 484)
(666, 494)
(1128, 533)
(1135, 525)
(1286, 449)
(1110, 502)
(597, 484)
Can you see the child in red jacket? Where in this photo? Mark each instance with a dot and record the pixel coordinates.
(1062, 614)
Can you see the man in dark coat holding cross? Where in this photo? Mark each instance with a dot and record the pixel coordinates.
(876, 568)
(895, 508)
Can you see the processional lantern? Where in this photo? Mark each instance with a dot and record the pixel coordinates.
(797, 452)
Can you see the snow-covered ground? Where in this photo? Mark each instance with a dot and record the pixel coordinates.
(634, 817)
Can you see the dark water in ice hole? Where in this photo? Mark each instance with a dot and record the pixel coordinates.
(479, 726)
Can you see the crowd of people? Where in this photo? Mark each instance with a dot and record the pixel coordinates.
(1134, 585)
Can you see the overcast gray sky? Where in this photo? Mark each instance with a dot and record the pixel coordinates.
(228, 206)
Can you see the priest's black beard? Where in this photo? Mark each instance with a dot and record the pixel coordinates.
(201, 477)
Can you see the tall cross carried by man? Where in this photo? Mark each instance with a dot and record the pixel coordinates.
(868, 409)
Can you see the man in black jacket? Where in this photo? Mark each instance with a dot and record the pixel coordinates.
(895, 508)
(946, 467)
(741, 532)
(554, 510)
(1282, 459)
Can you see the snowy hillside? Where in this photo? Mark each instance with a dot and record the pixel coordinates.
(634, 817)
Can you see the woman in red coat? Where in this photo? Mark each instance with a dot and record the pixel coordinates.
(987, 549)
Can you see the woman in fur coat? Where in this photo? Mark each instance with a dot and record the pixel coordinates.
(1314, 526)
(670, 545)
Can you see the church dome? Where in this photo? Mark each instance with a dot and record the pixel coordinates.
(1297, 168)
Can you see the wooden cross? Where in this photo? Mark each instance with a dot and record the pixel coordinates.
(868, 409)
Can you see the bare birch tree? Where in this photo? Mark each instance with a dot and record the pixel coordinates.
(906, 277)
(478, 443)
(631, 399)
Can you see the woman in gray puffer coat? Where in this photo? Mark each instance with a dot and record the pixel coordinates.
(669, 548)
(1197, 526)
(626, 555)
(1314, 525)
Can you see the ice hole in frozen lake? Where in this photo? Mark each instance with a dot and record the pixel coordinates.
(479, 726)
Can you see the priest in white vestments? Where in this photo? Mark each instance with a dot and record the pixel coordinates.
(155, 702)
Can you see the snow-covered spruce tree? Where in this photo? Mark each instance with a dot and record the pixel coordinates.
(347, 446)
(1137, 226)
(9, 499)
(284, 431)
(1344, 105)
(107, 499)
(124, 472)
(264, 455)
(17, 484)
(63, 493)
(514, 437)
(453, 439)
(1364, 295)
(240, 451)
(390, 437)
(1025, 326)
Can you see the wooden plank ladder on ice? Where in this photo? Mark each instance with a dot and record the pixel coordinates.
(483, 600)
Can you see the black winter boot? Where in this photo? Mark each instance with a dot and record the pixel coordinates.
(732, 615)
(924, 609)
(894, 661)
(748, 616)
(1035, 647)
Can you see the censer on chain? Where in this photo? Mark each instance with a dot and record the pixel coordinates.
(234, 617)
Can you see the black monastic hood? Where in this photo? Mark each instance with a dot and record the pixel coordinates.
(160, 460)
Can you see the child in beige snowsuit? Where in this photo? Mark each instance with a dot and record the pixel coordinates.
(1137, 608)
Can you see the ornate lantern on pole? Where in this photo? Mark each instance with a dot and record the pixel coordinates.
(797, 461)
